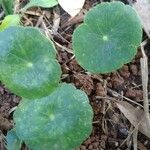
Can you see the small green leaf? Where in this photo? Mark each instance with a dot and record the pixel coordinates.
(10, 20)
(60, 121)
(27, 62)
(7, 6)
(108, 38)
(41, 3)
(13, 142)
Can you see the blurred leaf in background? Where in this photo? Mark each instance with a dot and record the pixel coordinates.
(7, 6)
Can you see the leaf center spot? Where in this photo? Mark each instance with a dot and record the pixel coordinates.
(30, 64)
(105, 38)
(52, 117)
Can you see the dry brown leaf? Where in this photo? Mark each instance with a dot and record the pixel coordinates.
(143, 9)
(135, 116)
(72, 7)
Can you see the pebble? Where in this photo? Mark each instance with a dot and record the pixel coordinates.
(82, 147)
(134, 70)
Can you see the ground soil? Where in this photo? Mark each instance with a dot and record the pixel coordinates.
(110, 126)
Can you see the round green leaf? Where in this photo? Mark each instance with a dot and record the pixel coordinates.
(108, 38)
(27, 62)
(60, 121)
(41, 3)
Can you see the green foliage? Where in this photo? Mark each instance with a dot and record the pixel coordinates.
(7, 6)
(10, 20)
(108, 38)
(54, 116)
(13, 142)
(27, 62)
(60, 121)
(41, 3)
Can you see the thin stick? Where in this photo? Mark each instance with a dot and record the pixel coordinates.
(116, 94)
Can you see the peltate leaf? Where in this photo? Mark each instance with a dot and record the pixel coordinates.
(41, 3)
(10, 20)
(60, 121)
(13, 142)
(27, 62)
(108, 38)
(7, 6)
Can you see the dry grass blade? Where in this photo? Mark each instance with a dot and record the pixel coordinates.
(2, 14)
(141, 146)
(144, 70)
(135, 134)
(135, 116)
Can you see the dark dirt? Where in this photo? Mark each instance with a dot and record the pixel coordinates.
(110, 127)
